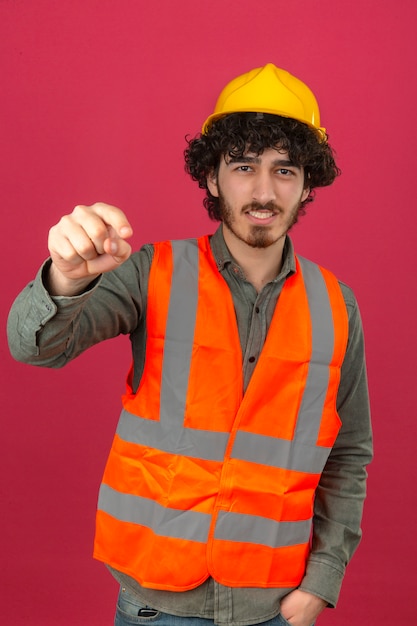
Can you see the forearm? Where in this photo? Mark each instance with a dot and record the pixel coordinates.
(336, 526)
(50, 331)
(41, 328)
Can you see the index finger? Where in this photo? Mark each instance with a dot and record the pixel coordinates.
(114, 217)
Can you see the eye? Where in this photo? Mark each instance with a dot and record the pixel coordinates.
(243, 168)
(284, 171)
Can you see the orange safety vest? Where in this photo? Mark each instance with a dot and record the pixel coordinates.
(203, 479)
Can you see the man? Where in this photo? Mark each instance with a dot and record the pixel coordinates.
(233, 492)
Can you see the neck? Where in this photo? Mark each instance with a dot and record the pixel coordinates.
(260, 265)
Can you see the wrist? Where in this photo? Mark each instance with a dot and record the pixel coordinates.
(57, 284)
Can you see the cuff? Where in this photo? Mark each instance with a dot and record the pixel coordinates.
(323, 579)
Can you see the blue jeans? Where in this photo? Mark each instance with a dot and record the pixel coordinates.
(130, 611)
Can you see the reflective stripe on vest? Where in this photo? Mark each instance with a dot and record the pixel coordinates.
(222, 479)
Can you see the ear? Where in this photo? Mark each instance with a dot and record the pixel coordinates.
(307, 187)
(305, 193)
(212, 184)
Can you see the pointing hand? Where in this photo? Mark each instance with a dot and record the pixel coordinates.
(86, 243)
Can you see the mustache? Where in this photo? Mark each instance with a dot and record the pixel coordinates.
(258, 206)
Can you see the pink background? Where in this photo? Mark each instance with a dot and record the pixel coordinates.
(96, 98)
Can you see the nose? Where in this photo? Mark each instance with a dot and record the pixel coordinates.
(263, 189)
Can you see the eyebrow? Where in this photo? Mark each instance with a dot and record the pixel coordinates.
(257, 160)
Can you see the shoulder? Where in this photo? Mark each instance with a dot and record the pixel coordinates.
(349, 298)
(347, 292)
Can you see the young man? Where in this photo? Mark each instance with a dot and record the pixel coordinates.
(233, 492)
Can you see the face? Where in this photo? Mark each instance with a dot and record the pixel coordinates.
(259, 196)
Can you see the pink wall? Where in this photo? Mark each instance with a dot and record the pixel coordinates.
(96, 97)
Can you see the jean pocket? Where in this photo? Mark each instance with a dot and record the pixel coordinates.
(130, 610)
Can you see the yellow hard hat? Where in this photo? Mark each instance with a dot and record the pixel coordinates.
(269, 89)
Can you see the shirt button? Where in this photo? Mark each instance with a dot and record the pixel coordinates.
(256, 309)
(251, 359)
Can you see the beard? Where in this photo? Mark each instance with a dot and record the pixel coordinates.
(259, 236)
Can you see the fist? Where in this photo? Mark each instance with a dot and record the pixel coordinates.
(84, 244)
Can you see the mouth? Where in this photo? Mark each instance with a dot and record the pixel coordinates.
(261, 215)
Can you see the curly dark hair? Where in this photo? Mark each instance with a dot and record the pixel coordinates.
(238, 133)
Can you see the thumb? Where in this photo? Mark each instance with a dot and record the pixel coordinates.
(118, 248)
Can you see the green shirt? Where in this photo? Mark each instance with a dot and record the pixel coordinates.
(50, 331)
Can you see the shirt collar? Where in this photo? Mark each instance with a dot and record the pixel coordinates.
(223, 257)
